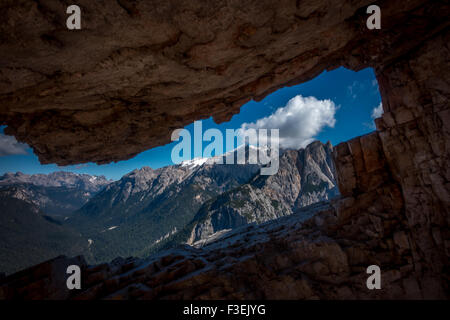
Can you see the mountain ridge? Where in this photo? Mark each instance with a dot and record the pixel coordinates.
(306, 176)
(57, 193)
(148, 209)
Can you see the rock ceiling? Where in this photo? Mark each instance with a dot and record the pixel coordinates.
(137, 70)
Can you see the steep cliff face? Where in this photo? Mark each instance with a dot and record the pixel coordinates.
(415, 135)
(304, 177)
(394, 183)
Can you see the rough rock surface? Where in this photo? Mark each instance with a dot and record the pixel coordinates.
(394, 208)
(137, 70)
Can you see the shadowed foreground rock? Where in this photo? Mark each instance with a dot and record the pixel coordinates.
(394, 208)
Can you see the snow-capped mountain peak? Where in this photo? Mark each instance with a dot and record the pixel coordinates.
(194, 162)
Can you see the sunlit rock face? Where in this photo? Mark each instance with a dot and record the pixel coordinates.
(305, 177)
(394, 183)
(136, 71)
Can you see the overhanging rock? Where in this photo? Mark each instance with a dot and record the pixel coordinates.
(136, 71)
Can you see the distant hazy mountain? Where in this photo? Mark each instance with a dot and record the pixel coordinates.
(84, 182)
(58, 193)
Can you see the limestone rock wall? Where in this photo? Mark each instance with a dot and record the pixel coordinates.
(415, 134)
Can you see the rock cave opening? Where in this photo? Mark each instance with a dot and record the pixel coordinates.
(204, 199)
(393, 207)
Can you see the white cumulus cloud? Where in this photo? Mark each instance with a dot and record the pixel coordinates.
(299, 121)
(377, 111)
(10, 146)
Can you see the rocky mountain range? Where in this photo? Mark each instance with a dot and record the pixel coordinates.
(305, 177)
(57, 194)
(150, 209)
(130, 216)
(90, 183)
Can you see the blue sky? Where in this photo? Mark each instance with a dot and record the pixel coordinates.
(341, 108)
